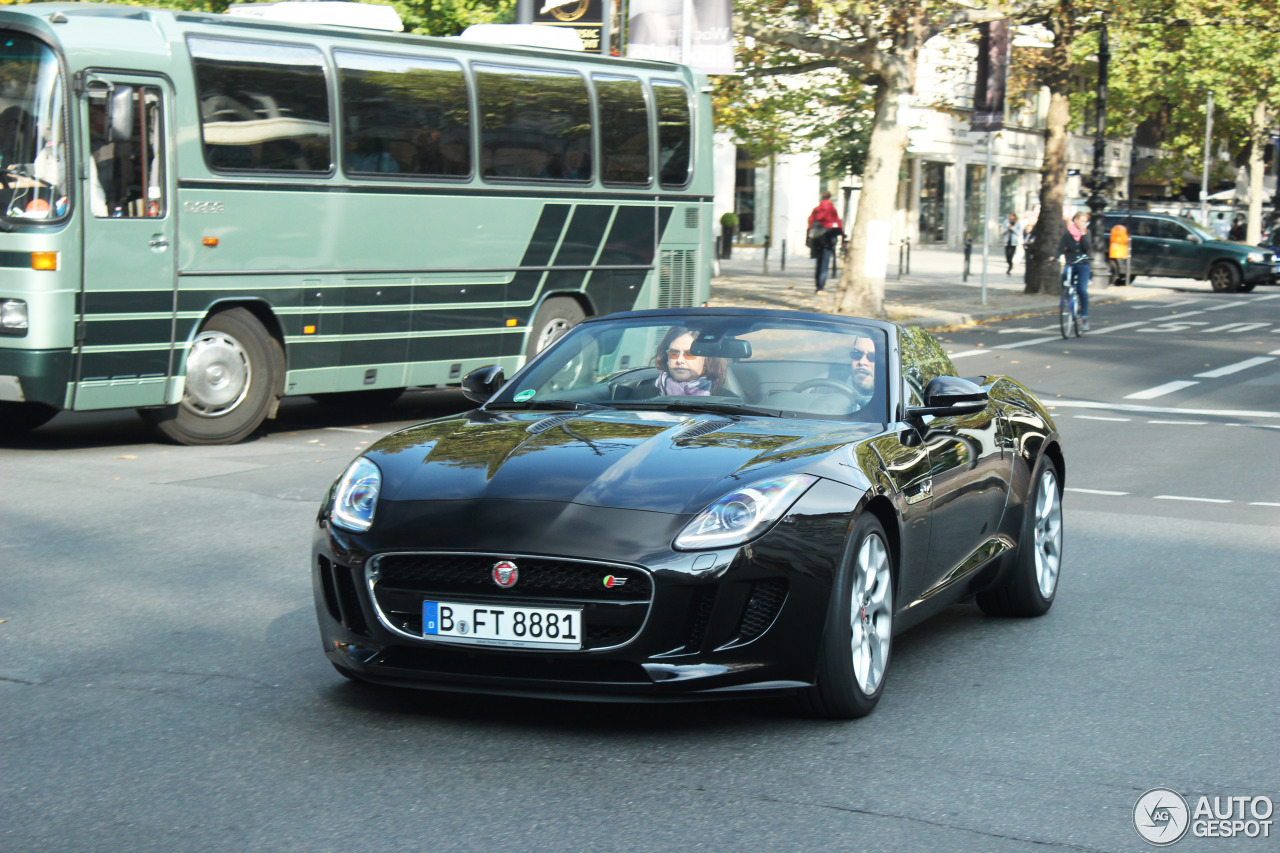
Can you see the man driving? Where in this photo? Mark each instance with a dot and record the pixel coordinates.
(862, 363)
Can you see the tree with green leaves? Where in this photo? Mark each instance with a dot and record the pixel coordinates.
(879, 45)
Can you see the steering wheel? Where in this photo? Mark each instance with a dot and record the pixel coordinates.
(831, 384)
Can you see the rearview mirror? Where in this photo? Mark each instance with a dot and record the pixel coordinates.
(732, 348)
(947, 396)
(482, 383)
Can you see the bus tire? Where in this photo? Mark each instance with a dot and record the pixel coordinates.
(20, 418)
(232, 370)
(554, 318)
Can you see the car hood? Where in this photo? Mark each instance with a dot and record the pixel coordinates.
(643, 460)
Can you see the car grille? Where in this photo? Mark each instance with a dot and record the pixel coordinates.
(611, 616)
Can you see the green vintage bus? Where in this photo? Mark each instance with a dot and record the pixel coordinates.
(201, 214)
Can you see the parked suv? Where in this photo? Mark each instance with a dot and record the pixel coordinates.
(1176, 247)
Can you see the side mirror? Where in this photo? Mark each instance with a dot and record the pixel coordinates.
(482, 383)
(946, 396)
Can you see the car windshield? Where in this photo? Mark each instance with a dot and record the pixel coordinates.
(711, 363)
(32, 144)
(1198, 229)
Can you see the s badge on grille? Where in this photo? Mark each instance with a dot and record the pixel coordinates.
(505, 573)
(611, 581)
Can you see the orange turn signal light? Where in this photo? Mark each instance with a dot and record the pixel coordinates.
(44, 261)
(210, 241)
(308, 330)
(512, 321)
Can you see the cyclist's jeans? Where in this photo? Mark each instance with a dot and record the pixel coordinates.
(1082, 286)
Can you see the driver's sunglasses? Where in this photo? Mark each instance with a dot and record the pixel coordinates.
(676, 353)
(860, 354)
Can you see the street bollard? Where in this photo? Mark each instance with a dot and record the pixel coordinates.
(968, 250)
(782, 263)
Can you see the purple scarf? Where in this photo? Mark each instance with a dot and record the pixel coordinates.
(700, 387)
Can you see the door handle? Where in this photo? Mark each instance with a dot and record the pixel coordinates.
(158, 243)
(920, 491)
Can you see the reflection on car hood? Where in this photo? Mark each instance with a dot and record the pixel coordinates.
(649, 460)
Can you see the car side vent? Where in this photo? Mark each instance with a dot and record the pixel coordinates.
(691, 217)
(762, 608)
(677, 278)
(539, 427)
(698, 429)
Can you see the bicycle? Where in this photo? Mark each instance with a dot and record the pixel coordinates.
(1069, 308)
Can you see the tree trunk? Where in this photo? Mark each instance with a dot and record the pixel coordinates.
(861, 288)
(1043, 274)
(1260, 128)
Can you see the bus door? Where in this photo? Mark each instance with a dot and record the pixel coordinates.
(126, 307)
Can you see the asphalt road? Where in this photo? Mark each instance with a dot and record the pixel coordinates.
(162, 687)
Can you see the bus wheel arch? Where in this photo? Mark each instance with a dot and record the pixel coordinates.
(234, 378)
(556, 315)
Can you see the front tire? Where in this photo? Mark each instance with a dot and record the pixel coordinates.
(858, 638)
(1031, 586)
(556, 317)
(232, 369)
(1224, 277)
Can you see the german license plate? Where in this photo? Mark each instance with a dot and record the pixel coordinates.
(502, 625)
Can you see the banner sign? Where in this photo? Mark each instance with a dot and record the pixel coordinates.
(992, 76)
(692, 32)
(586, 17)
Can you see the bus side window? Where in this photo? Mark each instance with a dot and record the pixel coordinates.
(675, 134)
(263, 107)
(536, 124)
(624, 132)
(127, 161)
(404, 115)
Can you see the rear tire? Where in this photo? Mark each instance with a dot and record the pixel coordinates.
(1224, 277)
(556, 317)
(20, 418)
(858, 639)
(232, 370)
(1032, 583)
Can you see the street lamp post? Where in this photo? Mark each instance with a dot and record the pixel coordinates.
(1098, 182)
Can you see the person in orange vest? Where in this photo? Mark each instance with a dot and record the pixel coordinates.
(825, 230)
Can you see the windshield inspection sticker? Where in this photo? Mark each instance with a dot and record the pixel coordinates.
(526, 394)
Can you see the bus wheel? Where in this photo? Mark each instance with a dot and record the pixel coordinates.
(232, 368)
(19, 418)
(554, 318)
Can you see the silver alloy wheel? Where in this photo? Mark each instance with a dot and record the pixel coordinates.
(218, 374)
(871, 614)
(552, 332)
(1048, 534)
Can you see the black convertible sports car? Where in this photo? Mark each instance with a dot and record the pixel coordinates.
(681, 504)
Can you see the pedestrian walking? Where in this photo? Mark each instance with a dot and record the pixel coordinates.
(825, 231)
(1011, 239)
(1222, 226)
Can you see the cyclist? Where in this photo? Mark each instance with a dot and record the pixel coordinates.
(1075, 251)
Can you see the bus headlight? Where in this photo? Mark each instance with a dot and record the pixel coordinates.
(355, 498)
(13, 317)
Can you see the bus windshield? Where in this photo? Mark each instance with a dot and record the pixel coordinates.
(32, 144)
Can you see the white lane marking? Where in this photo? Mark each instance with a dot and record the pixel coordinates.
(1235, 328)
(1101, 418)
(1024, 329)
(1161, 410)
(349, 429)
(1117, 328)
(1178, 423)
(966, 353)
(1265, 298)
(1185, 498)
(1096, 492)
(1176, 326)
(1234, 368)
(1274, 351)
(1262, 503)
(1223, 306)
(1161, 390)
(1027, 342)
(1165, 304)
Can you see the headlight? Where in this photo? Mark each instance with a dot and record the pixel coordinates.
(1257, 257)
(13, 314)
(743, 514)
(356, 497)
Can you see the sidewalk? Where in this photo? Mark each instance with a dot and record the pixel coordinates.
(930, 293)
